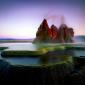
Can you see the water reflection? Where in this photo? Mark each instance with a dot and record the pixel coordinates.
(49, 57)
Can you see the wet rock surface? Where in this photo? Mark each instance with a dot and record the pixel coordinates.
(59, 74)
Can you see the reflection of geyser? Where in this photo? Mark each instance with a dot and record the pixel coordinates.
(56, 56)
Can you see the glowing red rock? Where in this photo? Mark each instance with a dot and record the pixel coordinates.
(45, 34)
(54, 33)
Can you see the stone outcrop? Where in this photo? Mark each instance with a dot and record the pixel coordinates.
(46, 34)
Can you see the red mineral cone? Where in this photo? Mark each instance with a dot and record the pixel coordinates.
(62, 35)
(54, 33)
(43, 33)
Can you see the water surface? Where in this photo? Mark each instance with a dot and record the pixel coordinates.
(29, 46)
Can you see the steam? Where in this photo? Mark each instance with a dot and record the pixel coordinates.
(62, 19)
(56, 18)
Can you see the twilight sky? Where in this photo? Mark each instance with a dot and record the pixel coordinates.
(21, 18)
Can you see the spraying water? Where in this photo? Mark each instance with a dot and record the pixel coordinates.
(55, 19)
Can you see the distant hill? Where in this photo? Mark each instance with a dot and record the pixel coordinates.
(79, 38)
(5, 40)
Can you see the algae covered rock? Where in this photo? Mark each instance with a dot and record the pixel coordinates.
(4, 70)
(44, 74)
(2, 48)
(79, 62)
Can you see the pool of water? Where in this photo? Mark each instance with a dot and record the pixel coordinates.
(31, 60)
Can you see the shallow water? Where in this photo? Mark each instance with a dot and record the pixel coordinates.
(31, 60)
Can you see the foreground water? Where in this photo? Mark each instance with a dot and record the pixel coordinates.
(31, 60)
(55, 75)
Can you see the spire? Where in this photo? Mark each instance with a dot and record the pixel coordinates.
(45, 24)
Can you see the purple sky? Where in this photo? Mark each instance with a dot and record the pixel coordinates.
(21, 18)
